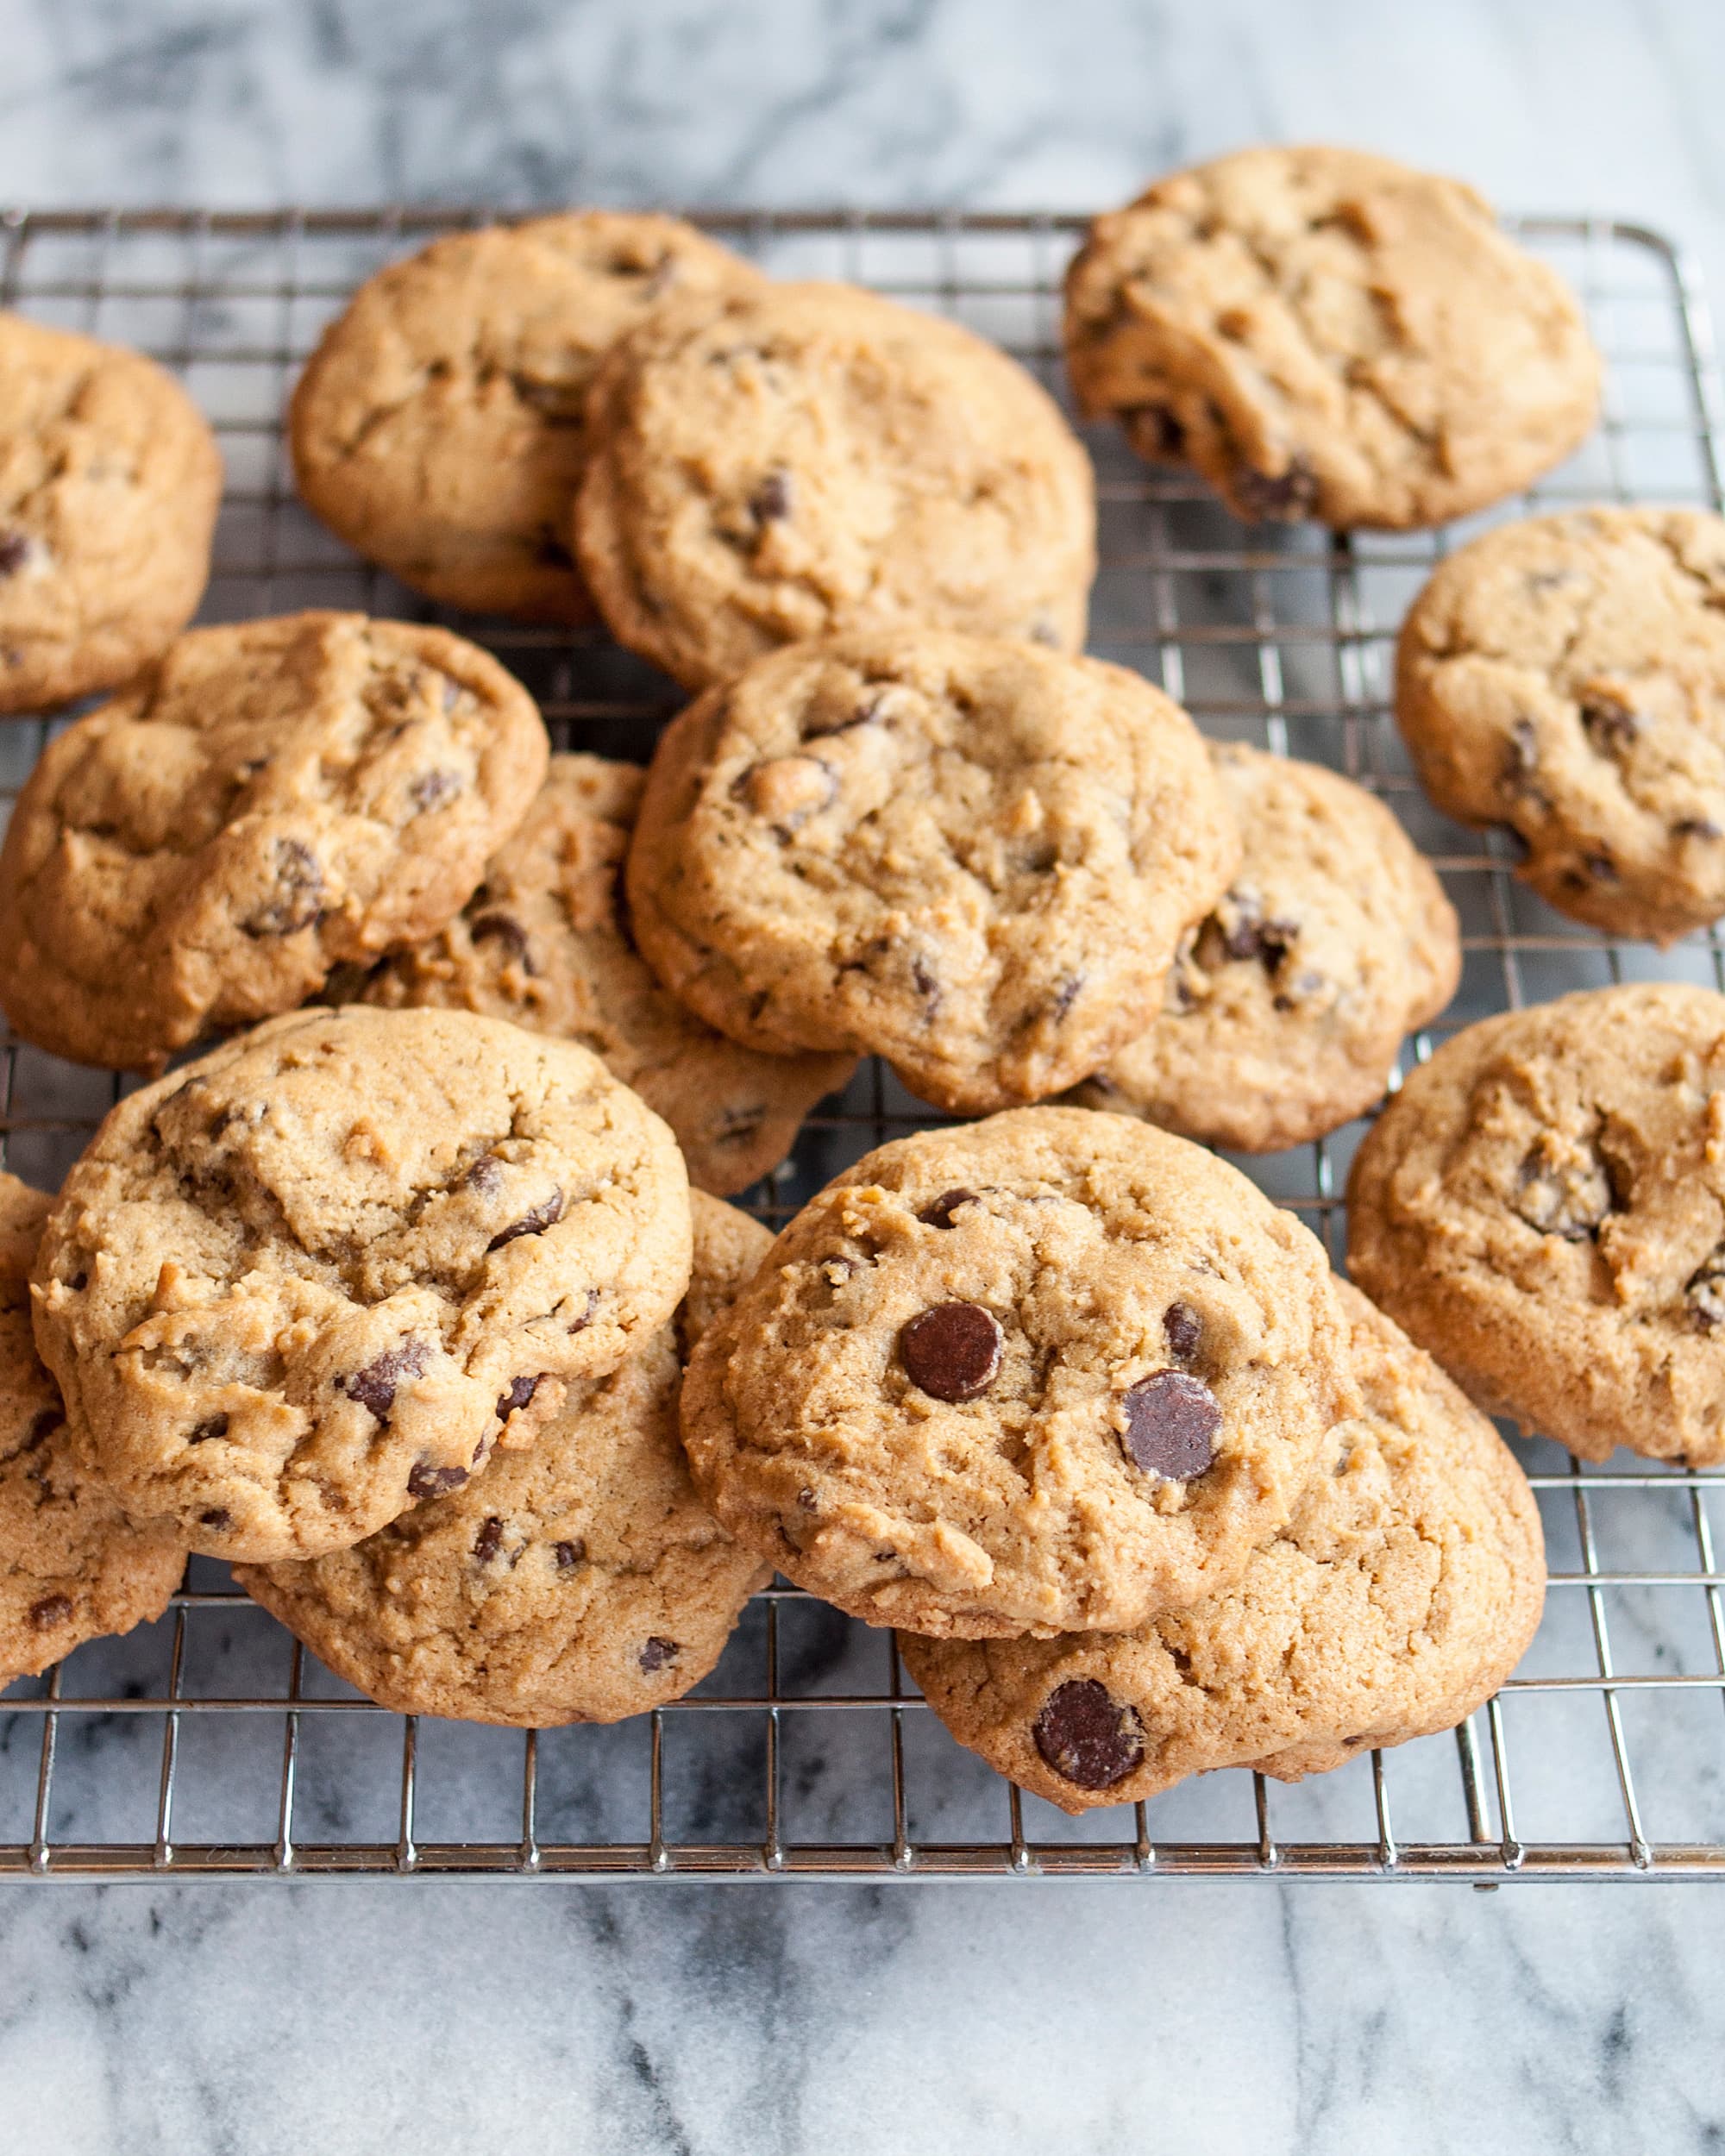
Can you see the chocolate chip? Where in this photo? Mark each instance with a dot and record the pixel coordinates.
(1065, 994)
(953, 1351)
(47, 1422)
(534, 1222)
(1600, 868)
(1184, 1329)
(806, 1499)
(939, 1212)
(580, 1324)
(484, 1175)
(218, 1517)
(505, 929)
(51, 1610)
(569, 1555)
(657, 1653)
(1171, 1425)
(1088, 1737)
(927, 984)
(374, 1386)
(487, 1541)
(736, 1125)
(771, 499)
(14, 551)
(432, 788)
(213, 1427)
(1286, 498)
(1697, 827)
(1246, 933)
(425, 1480)
(521, 1390)
(1704, 1293)
(1564, 1190)
(298, 892)
(1611, 725)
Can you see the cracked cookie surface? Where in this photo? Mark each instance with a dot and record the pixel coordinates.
(109, 479)
(438, 428)
(1566, 676)
(1284, 1008)
(804, 459)
(1054, 1371)
(1404, 1590)
(1329, 335)
(1542, 1206)
(545, 941)
(580, 1581)
(968, 855)
(270, 801)
(317, 1275)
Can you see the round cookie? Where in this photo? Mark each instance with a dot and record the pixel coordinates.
(969, 855)
(1542, 1206)
(1566, 676)
(1285, 1006)
(1327, 334)
(1055, 1371)
(1404, 1590)
(271, 799)
(579, 1582)
(438, 426)
(109, 480)
(317, 1275)
(802, 459)
(545, 941)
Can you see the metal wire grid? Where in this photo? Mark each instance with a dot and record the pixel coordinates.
(211, 1744)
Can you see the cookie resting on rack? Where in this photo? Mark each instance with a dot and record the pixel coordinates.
(966, 855)
(296, 1287)
(110, 480)
(1565, 678)
(1406, 1587)
(545, 941)
(268, 801)
(1054, 1371)
(1325, 333)
(582, 1581)
(1542, 1206)
(800, 460)
(1286, 1006)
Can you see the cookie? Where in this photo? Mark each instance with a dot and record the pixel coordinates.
(1324, 334)
(1542, 1206)
(72, 1566)
(315, 1278)
(438, 426)
(1282, 1013)
(110, 480)
(1566, 676)
(802, 459)
(968, 855)
(1056, 1371)
(579, 1582)
(1404, 1590)
(545, 941)
(270, 799)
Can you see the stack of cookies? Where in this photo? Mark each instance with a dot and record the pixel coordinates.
(400, 1297)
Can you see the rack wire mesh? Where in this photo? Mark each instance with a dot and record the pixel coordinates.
(211, 1744)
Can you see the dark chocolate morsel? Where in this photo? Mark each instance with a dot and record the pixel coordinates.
(374, 1386)
(1065, 994)
(51, 1610)
(47, 1422)
(218, 1517)
(1183, 1328)
(14, 546)
(433, 1481)
(501, 928)
(484, 1175)
(1171, 1425)
(212, 1426)
(431, 789)
(939, 1212)
(657, 1653)
(569, 1555)
(953, 1351)
(521, 1390)
(487, 1541)
(298, 890)
(535, 1222)
(771, 499)
(1285, 497)
(1088, 1737)
(1611, 725)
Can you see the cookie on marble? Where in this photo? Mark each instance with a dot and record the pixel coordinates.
(1566, 676)
(72, 1566)
(1542, 1206)
(580, 1581)
(1285, 1007)
(545, 941)
(969, 855)
(1325, 333)
(438, 426)
(803, 460)
(270, 799)
(110, 480)
(1056, 1371)
(297, 1287)
(1406, 1587)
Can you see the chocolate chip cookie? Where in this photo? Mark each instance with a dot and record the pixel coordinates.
(1325, 333)
(72, 1566)
(269, 800)
(964, 854)
(800, 459)
(1285, 1006)
(1055, 1371)
(1566, 676)
(315, 1278)
(579, 1582)
(1404, 1590)
(1542, 1206)
(438, 426)
(545, 941)
(109, 479)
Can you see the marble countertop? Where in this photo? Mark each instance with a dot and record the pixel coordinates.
(1047, 2016)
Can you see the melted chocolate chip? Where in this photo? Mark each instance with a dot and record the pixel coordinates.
(580, 1324)
(1704, 1293)
(1088, 1737)
(49, 1420)
(484, 1175)
(953, 1351)
(51, 1610)
(1285, 498)
(485, 1542)
(425, 1480)
(939, 1212)
(1065, 995)
(569, 1555)
(212, 1426)
(431, 789)
(927, 983)
(218, 1517)
(1184, 1329)
(1171, 1425)
(298, 893)
(14, 549)
(520, 1392)
(1611, 725)
(374, 1386)
(505, 929)
(657, 1653)
(1564, 1190)
(771, 500)
(534, 1222)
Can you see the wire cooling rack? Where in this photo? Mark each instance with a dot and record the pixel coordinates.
(210, 1744)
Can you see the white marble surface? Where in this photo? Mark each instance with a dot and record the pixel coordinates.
(1100, 2017)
